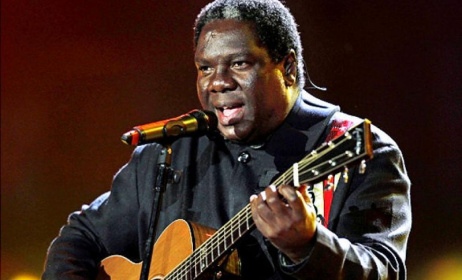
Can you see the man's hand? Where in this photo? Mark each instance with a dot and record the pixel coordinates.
(287, 218)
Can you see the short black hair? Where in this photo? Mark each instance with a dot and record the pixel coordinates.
(275, 26)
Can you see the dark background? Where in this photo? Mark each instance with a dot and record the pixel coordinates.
(75, 75)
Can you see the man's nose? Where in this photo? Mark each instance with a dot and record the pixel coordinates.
(222, 81)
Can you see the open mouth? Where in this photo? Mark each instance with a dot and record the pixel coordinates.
(229, 115)
(229, 111)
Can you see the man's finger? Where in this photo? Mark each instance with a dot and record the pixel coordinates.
(303, 189)
(294, 198)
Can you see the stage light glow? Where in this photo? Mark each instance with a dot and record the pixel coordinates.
(25, 277)
(447, 267)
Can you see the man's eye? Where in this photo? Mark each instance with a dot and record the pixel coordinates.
(240, 64)
(205, 69)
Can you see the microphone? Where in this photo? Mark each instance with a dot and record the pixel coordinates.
(195, 122)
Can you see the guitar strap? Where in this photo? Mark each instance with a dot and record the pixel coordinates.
(326, 188)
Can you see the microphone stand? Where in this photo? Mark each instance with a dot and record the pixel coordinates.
(165, 175)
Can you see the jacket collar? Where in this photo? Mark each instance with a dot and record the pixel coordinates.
(304, 127)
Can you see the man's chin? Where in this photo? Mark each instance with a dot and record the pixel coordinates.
(239, 134)
(233, 133)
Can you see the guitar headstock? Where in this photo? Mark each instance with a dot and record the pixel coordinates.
(347, 150)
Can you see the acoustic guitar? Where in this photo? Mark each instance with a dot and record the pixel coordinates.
(190, 251)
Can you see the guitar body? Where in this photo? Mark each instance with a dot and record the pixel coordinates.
(174, 245)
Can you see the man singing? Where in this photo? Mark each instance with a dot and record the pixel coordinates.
(250, 74)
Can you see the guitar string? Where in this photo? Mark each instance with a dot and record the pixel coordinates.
(245, 215)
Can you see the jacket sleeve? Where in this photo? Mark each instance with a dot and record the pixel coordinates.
(368, 238)
(109, 225)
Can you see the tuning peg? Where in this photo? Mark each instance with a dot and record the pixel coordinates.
(362, 167)
(329, 182)
(345, 174)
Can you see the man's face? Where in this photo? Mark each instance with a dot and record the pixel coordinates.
(237, 80)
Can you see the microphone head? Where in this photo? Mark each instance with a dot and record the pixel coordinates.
(194, 123)
(206, 120)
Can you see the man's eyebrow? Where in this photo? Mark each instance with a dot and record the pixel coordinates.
(201, 60)
(228, 56)
(241, 54)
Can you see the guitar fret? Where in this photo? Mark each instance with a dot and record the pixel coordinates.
(221, 247)
(197, 265)
(194, 265)
(247, 221)
(212, 251)
(239, 229)
(189, 273)
(216, 249)
(243, 227)
(205, 254)
(232, 230)
(235, 235)
(203, 261)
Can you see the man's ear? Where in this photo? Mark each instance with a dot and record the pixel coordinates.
(290, 68)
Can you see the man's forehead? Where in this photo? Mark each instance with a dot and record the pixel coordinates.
(228, 26)
(227, 33)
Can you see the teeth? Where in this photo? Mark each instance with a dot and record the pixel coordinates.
(229, 111)
(224, 108)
